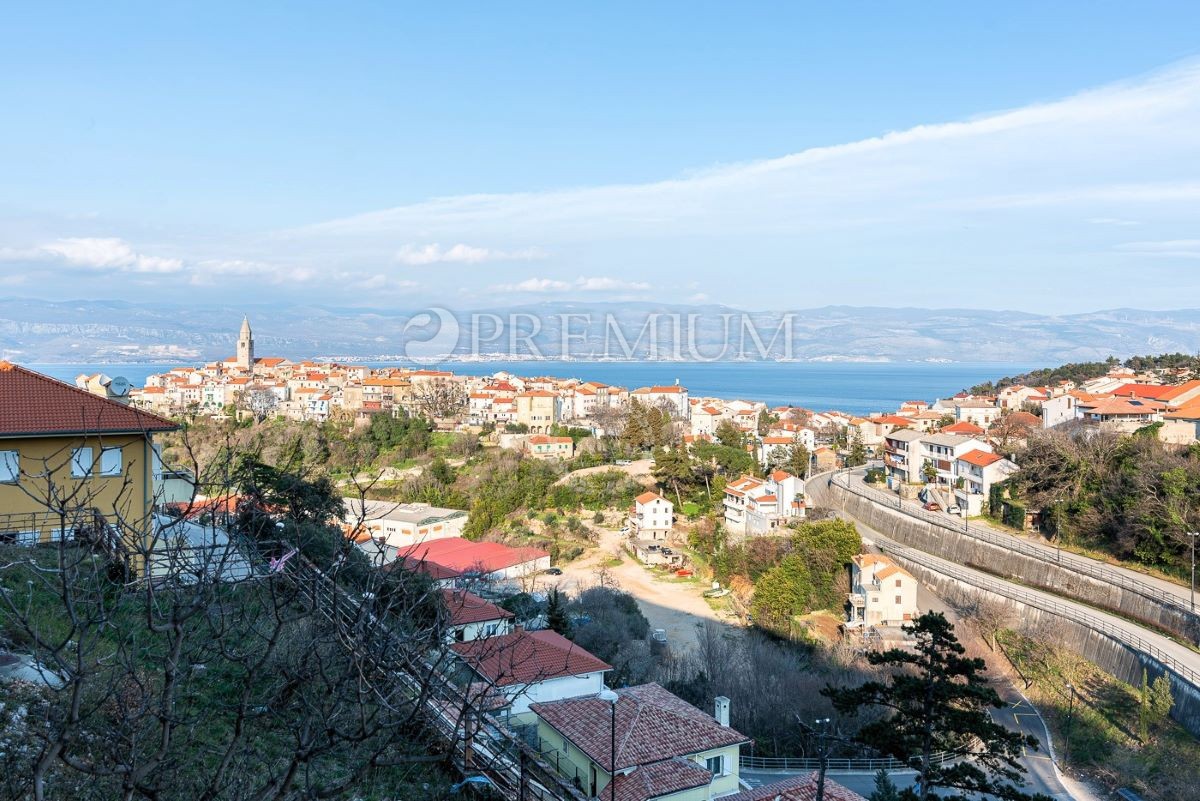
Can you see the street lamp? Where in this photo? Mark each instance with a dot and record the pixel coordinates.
(612, 698)
(1192, 536)
(823, 752)
(1070, 719)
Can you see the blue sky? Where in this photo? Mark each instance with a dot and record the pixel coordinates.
(1035, 156)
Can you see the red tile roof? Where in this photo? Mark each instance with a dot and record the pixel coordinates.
(659, 779)
(524, 657)
(32, 403)
(432, 569)
(796, 788)
(962, 428)
(465, 556)
(467, 607)
(1152, 391)
(981, 458)
(652, 725)
(648, 497)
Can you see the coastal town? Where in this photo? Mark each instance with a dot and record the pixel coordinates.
(946, 459)
(600, 402)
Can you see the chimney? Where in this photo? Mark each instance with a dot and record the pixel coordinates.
(721, 712)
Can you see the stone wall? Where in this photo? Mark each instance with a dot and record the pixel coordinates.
(999, 561)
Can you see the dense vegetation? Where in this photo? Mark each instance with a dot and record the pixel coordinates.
(1129, 496)
(1084, 371)
(937, 699)
(206, 689)
(1117, 734)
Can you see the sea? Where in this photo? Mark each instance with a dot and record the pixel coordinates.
(853, 387)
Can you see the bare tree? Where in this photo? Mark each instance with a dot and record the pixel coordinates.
(182, 660)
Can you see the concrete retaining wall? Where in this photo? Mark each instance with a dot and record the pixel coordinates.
(972, 552)
(1111, 656)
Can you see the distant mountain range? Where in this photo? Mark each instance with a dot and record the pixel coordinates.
(117, 332)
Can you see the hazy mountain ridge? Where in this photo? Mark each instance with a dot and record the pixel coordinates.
(114, 331)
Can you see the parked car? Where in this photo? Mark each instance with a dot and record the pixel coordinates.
(667, 551)
(553, 571)
(933, 506)
(954, 510)
(623, 462)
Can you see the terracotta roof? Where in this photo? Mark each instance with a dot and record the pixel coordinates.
(962, 428)
(980, 458)
(465, 556)
(524, 657)
(652, 725)
(648, 497)
(1174, 392)
(467, 607)
(546, 439)
(1152, 391)
(32, 403)
(1123, 406)
(432, 569)
(796, 788)
(659, 779)
(1023, 418)
(781, 475)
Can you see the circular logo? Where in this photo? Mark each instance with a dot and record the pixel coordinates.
(440, 329)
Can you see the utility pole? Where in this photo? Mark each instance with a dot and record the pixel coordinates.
(1070, 720)
(823, 753)
(1192, 536)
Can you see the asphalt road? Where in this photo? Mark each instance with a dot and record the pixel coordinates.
(1041, 774)
(1179, 592)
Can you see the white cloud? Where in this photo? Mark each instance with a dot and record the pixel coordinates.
(1113, 221)
(105, 254)
(213, 271)
(434, 253)
(1003, 191)
(581, 284)
(1167, 248)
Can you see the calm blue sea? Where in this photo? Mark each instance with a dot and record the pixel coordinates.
(851, 387)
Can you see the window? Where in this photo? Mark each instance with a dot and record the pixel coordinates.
(82, 462)
(899, 600)
(10, 467)
(110, 461)
(716, 765)
(899, 582)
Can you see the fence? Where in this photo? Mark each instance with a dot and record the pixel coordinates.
(1046, 604)
(479, 742)
(1080, 565)
(805, 764)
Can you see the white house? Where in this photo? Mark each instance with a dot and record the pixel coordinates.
(473, 618)
(757, 506)
(881, 592)
(652, 517)
(941, 450)
(674, 398)
(980, 412)
(976, 471)
(401, 525)
(902, 456)
(527, 667)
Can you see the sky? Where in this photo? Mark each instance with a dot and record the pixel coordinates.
(1027, 155)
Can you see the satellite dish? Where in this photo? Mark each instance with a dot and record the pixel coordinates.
(119, 386)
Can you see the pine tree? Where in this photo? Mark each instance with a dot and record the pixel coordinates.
(885, 788)
(556, 614)
(939, 703)
(858, 452)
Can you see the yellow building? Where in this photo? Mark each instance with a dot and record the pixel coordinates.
(537, 409)
(664, 745)
(72, 462)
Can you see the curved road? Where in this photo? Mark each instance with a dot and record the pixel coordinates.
(1159, 589)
